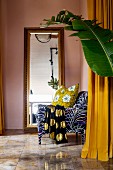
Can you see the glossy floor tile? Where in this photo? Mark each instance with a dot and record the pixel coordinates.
(22, 152)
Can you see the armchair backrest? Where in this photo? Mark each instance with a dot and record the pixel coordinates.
(81, 100)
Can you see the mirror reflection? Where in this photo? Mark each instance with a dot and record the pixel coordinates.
(44, 69)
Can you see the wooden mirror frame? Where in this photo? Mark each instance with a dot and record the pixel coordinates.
(61, 69)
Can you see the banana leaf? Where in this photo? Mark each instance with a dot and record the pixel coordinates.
(97, 42)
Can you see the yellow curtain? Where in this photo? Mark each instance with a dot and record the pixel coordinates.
(99, 132)
(1, 90)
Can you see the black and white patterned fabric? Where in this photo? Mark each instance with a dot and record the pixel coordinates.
(40, 117)
(81, 101)
(75, 117)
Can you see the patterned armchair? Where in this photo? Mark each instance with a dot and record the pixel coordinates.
(75, 117)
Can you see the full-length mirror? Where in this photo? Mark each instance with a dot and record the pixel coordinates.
(43, 69)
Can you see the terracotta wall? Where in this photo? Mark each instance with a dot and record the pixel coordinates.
(18, 14)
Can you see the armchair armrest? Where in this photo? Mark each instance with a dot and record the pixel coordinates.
(41, 112)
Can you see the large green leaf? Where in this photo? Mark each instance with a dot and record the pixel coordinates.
(96, 41)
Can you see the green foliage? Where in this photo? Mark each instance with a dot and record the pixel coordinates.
(53, 83)
(97, 42)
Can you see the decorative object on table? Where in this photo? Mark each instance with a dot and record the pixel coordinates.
(97, 42)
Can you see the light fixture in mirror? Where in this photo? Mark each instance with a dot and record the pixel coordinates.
(38, 70)
(43, 38)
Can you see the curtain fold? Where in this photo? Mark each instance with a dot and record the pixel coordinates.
(1, 88)
(99, 132)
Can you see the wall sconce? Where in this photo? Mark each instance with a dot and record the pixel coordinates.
(51, 59)
(53, 82)
(43, 38)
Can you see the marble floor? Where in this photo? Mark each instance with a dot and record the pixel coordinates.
(22, 152)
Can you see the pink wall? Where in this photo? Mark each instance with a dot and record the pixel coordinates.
(84, 65)
(30, 13)
(3, 11)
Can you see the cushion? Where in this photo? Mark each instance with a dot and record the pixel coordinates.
(66, 96)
